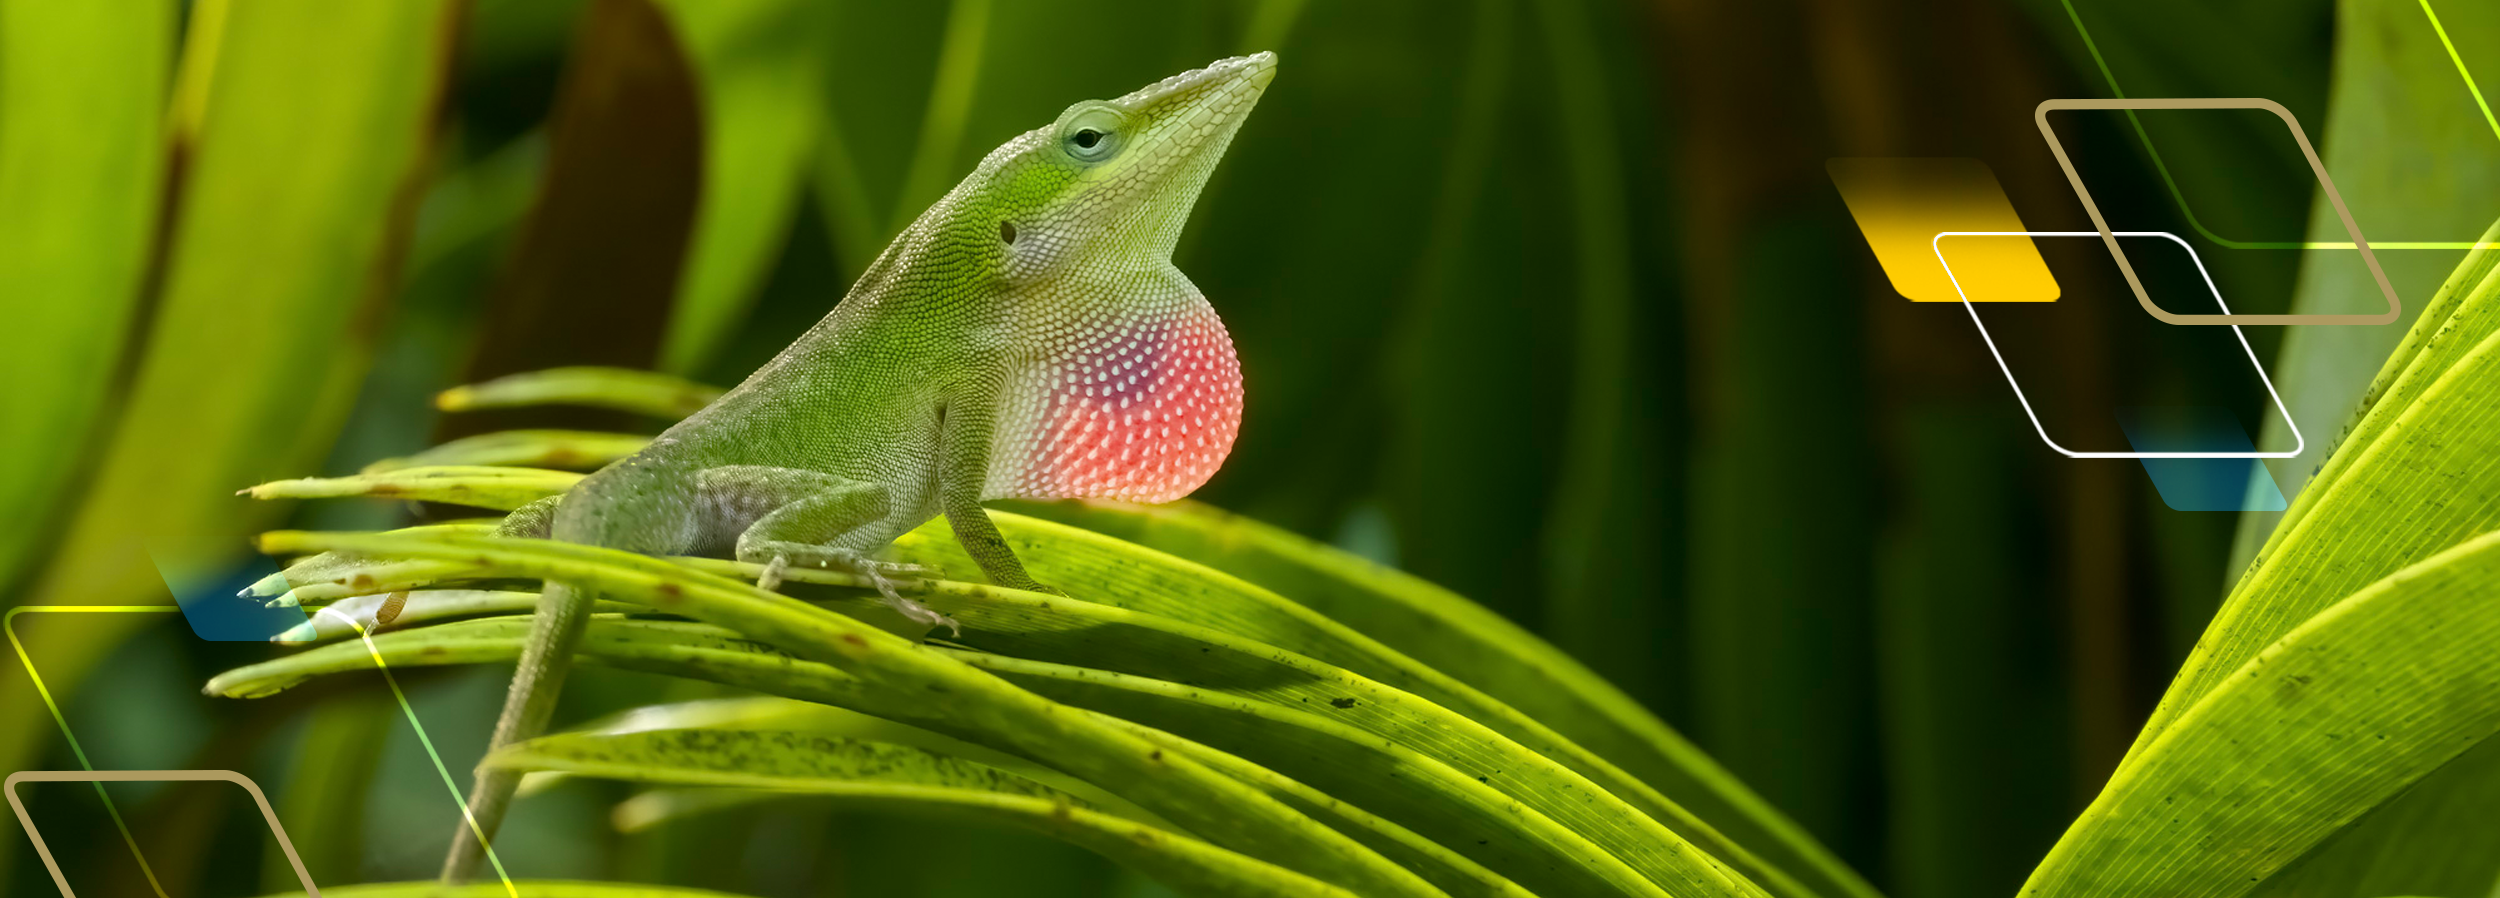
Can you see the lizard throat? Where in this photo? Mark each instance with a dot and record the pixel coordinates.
(1141, 411)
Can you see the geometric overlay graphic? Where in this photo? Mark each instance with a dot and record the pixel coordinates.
(2181, 452)
(2325, 184)
(144, 776)
(2200, 484)
(8, 626)
(216, 614)
(1901, 203)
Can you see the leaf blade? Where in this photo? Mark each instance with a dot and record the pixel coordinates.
(2333, 719)
(82, 161)
(897, 777)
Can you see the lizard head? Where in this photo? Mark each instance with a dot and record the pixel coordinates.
(1133, 391)
(1113, 180)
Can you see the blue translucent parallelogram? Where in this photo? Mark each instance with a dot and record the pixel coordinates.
(2200, 484)
(216, 614)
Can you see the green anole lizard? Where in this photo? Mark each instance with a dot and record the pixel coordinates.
(1026, 337)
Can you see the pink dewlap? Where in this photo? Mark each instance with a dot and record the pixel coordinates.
(1144, 415)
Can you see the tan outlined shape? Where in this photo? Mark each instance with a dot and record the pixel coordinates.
(2395, 307)
(144, 776)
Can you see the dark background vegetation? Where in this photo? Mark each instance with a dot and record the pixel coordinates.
(1550, 302)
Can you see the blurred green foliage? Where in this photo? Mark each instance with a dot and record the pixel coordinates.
(1546, 302)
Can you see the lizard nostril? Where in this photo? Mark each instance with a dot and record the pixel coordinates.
(1007, 232)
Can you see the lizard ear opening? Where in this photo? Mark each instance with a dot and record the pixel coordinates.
(1007, 232)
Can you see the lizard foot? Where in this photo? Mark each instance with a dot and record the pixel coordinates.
(877, 572)
(923, 614)
(920, 614)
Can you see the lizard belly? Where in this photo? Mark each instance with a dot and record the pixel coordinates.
(1143, 411)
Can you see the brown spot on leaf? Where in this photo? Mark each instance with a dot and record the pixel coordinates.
(1341, 703)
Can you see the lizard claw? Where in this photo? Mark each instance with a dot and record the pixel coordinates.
(924, 615)
(770, 579)
(920, 614)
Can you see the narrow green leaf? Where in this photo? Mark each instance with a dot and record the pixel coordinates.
(900, 674)
(528, 888)
(895, 777)
(777, 713)
(570, 450)
(758, 63)
(82, 158)
(695, 651)
(1445, 632)
(625, 389)
(2342, 713)
(328, 577)
(762, 759)
(476, 486)
(425, 606)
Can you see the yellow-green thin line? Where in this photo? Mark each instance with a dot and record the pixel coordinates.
(2181, 199)
(2461, 72)
(8, 623)
(405, 708)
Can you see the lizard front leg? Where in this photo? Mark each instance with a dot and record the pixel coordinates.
(817, 520)
(963, 472)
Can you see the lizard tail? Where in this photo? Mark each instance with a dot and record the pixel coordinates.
(634, 505)
(563, 614)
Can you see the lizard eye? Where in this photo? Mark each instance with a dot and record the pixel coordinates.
(1092, 135)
